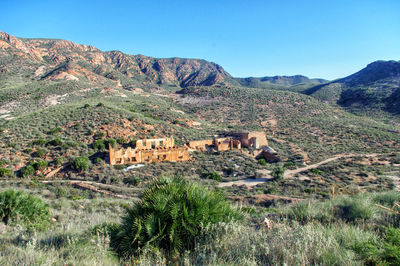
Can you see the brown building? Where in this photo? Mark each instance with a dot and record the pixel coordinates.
(148, 151)
(256, 139)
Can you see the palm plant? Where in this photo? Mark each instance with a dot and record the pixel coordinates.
(170, 214)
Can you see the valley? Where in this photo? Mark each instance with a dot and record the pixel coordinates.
(64, 106)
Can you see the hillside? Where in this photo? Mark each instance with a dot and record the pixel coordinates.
(291, 83)
(377, 86)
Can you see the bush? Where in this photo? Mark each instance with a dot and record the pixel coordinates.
(170, 214)
(81, 163)
(54, 131)
(27, 171)
(17, 207)
(262, 162)
(39, 153)
(213, 175)
(112, 143)
(40, 165)
(5, 172)
(121, 140)
(55, 142)
(99, 145)
(278, 172)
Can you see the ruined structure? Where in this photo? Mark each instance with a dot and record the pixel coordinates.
(232, 141)
(148, 151)
(164, 149)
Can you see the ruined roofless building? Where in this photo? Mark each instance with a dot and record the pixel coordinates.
(255, 139)
(148, 151)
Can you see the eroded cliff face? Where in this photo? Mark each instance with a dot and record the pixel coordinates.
(65, 60)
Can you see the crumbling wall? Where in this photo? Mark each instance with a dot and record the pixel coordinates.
(201, 144)
(148, 151)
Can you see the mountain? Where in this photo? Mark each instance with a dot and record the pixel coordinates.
(50, 59)
(280, 82)
(377, 86)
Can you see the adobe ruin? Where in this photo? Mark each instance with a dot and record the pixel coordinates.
(148, 151)
(255, 139)
(164, 149)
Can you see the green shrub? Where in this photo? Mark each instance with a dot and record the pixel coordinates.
(278, 172)
(213, 175)
(40, 165)
(17, 207)
(27, 171)
(121, 140)
(98, 160)
(54, 131)
(262, 162)
(81, 163)
(170, 214)
(5, 172)
(39, 142)
(99, 135)
(55, 142)
(39, 153)
(99, 145)
(111, 142)
(391, 248)
(59, 161)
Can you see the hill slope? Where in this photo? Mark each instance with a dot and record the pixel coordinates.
(292, 83)
(377, 86)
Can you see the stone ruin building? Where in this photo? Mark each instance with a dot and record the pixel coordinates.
(164, 149)
(148, 151)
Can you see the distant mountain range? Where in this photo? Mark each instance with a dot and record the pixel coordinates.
(278, 81)
(376, 86)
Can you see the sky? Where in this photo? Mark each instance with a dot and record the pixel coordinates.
(320, 39)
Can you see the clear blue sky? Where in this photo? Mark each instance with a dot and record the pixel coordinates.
(324, 38)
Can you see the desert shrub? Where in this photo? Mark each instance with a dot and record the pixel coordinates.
(170, 214)
(40, 165)
(352, 209)
(59, 161)
(17, 207)
(391, 247)
(54, 131)
(213, 175)
(39, 142)
(55, 142)
(278, 172)
(99, 145)
(81, 163)
(99, 135)
(39, 153)
(121, 140)
(262, 162)
(27, 171)
(98, 160)
(111, 142)
(5, 172)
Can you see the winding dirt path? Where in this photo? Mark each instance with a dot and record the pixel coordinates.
(290, 173)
